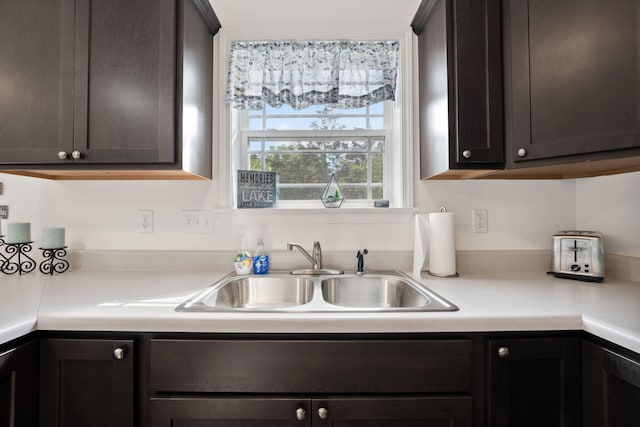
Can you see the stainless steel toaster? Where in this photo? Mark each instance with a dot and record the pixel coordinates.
(578, 255)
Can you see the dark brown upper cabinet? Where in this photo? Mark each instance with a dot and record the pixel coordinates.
(106, 89)
(460, 88)
(572, 87)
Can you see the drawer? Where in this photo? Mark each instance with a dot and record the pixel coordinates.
(310, 366)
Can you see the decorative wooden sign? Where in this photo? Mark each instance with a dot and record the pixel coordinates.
(256, 189)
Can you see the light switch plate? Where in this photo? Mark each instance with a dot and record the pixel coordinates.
(4, 212)
(197, 222)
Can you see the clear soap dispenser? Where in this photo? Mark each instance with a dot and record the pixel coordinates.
(243, 261)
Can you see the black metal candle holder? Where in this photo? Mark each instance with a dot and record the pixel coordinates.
(3, 258)
(17, 260)
(54, 261)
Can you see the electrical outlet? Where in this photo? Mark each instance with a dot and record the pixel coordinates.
(4, 212)
(197, 222)
(480, 220)
(145, 221)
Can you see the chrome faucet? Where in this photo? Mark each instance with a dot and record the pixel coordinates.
(315, 259)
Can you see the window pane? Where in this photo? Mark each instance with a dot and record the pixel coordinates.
(255, 124)
(377, 108)
(377, 145)
(377, 168)
(255, 162)
(377, 193)
(376, 123)
(351, 168)
(255, 144)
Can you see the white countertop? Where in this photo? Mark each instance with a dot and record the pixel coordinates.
(146, 301)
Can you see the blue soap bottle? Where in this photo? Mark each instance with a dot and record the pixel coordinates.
(260, 259)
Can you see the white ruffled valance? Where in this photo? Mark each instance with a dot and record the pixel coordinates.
(343, 74)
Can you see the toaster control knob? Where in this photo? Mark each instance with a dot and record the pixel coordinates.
(575, 267)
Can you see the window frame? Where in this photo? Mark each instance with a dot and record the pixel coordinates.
(230, 136)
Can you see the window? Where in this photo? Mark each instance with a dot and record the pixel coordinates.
(355, 134)
(306, 147)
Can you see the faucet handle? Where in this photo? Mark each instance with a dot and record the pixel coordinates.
(317, 254)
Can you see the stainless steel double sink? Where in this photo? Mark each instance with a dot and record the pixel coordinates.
(380, 291)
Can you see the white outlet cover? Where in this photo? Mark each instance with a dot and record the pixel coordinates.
(480, 220)
(145, 221)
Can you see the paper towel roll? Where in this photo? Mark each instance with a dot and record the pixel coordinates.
(442, 244)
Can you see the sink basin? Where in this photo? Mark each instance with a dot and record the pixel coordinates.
(253, 293)
(383, 291)
(388, 291)
(373, 292)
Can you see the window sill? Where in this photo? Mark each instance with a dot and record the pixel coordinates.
(318, 216)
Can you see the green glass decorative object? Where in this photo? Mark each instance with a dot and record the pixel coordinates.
(332, 196)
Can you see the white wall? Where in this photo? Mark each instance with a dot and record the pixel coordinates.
(611, 205)
(23, 196)
(522, 214)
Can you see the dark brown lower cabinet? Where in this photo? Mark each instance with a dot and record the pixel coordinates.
(445, 411)
(87, 382)
(611, 391)
(534, 382)
(19, 385)
(317, 382)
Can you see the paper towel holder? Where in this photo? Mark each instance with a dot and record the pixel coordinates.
(442, 275)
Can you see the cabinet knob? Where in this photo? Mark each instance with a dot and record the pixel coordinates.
(323, 413)
(503, 352)
(76, 155)
(522, 152)
(118, 353)
(62, 155)
(466, 154)
(301, 414)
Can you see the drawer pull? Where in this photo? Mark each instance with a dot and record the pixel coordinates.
(503, 352)
(118, 353)
(323, 413)
(301, 414)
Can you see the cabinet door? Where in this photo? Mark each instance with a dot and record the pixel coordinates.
(393, 412)
(534, 382)
(460, 75)
(86, 383)
(572, 80)
(611, 392)
(125, 81)
(19, 386)
(36, 80)
(229, 412)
